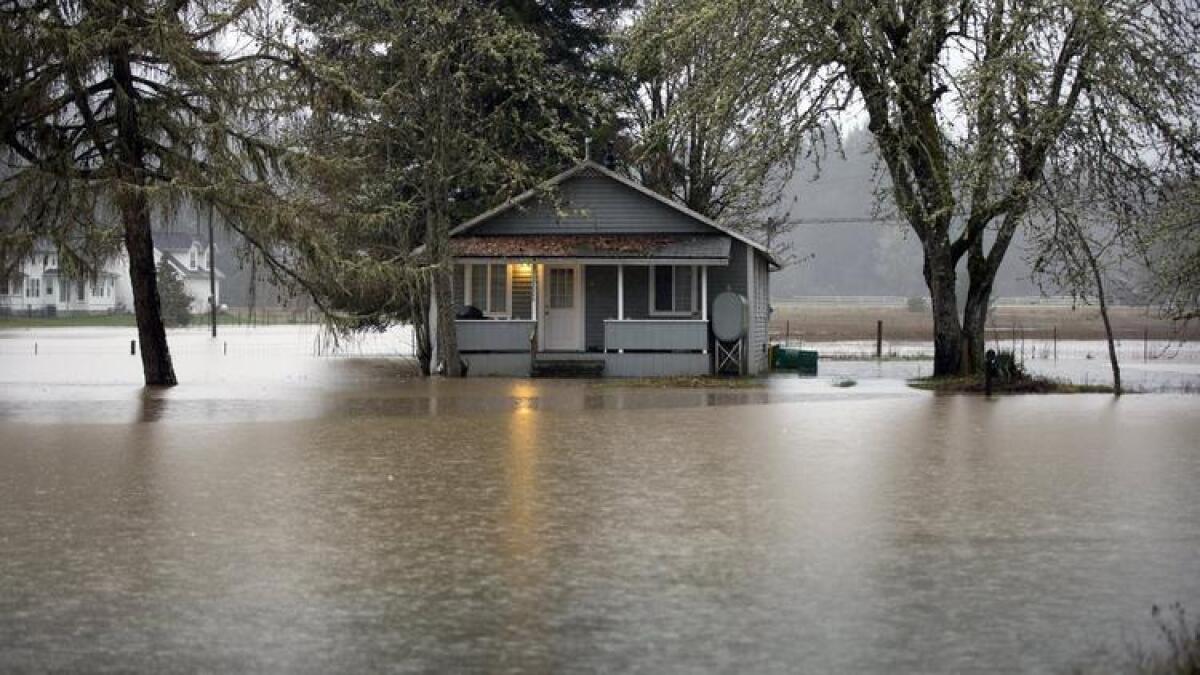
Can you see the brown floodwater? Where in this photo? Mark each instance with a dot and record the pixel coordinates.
(290, 513)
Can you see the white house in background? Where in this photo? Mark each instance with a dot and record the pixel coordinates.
(190, 259)
(41, 286)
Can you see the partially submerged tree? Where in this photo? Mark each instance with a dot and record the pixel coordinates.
(114, 113)
(429, 111)
(967, 102)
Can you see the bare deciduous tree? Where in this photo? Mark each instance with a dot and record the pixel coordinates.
(967, 102)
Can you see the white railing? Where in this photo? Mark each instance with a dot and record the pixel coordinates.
(660, 335)
(484, 335)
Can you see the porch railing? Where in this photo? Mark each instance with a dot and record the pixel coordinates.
(655, 335)
(475, 335)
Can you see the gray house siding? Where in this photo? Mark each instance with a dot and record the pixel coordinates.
(732, 278)
(748, 274)
(590, 203)
(760, 314)
(637, 292)
(600, 303)
(522, 292)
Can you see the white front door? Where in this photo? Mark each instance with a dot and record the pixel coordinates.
(562, 313)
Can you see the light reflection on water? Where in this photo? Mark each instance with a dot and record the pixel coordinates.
(316, 515)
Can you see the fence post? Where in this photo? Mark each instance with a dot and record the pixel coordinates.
(1146, 344)
(879, 339)
(1056, 343)
(133, 347)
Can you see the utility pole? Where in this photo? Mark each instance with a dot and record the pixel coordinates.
(212, 273)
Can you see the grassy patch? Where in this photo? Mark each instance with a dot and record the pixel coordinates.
(88, 320)
(1030, 384)
(701, 382)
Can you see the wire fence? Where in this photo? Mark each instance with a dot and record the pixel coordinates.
(1025, 344)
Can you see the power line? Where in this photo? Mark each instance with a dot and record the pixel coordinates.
(841, 221)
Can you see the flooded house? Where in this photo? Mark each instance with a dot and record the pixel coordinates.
(592, 273)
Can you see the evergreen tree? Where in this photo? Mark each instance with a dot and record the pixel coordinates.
(430, 110)
(174, 300)
(115, 112)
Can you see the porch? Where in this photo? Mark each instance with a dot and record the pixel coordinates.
(624, 317)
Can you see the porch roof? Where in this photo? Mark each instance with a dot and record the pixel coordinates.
(594, 246)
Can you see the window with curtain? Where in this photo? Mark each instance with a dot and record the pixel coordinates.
(672, 289)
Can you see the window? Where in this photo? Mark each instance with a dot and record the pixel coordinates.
(562, 287)
(97, 288)
(49, 285)
(33, 287)
(487, 287)
(79, 289)
(672, 289)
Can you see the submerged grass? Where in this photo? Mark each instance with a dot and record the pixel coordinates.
(1176, 650)
(1029, 384)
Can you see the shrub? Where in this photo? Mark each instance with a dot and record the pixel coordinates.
(173, 299)
(1008, 369)
(917, 304)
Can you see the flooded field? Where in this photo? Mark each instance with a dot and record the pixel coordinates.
(285, 512)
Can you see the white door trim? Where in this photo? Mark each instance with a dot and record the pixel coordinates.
(579, 309)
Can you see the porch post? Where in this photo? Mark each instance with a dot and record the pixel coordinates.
(704, 300)
(620, 292)
(620, 299)
(533, 302)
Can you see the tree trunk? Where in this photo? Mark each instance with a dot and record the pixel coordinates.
(975, 314)
(947, 330)
(437, 238)
(152, 337)
(447, 335)
(1094, 264)
(419, 319)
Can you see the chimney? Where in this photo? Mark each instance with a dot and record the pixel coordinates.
(610, 157)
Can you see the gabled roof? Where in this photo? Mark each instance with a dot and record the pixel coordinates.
(176, 241)
(186, 273)
(589, 165)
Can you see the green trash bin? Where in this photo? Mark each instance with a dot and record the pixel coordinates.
(802, 361)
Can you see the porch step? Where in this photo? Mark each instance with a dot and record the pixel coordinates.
(568, 368)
